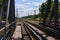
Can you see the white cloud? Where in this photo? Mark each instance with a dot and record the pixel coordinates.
(28, 3)
(36, 3)
(59, 0)
(22, 6)
(44, 0)
(24, 0)
(31, 10)
(23, 9)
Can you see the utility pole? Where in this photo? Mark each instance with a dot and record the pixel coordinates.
(34, 14)
(56, 14)
(17, 14)
(28, 13)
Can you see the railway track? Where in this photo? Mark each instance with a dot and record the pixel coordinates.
(27, 33)
(34, 32)
(50, 25)
(44, 33)
(31, 31)
(21, 33)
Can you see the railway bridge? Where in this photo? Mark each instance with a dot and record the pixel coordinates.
(45, 30)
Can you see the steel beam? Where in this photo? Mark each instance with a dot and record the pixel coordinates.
(46, 11)
(56, 14)
(51, 16)
(12, 16)
(1, 11)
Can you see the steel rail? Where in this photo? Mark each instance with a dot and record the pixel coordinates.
(49, 31)
(36, 35)
(28, 33)
(35, 30)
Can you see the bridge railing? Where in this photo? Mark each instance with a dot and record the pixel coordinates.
(53, 14)
(8, 30)
(8, 12)
(51, 27)
(7, 26)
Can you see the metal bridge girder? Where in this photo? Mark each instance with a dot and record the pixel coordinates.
(9, 17)
(56, 14)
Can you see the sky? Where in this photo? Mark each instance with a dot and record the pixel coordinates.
(27, 7)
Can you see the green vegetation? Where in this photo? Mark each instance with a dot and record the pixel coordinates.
(42, 9)
(41, 13)
(32, 17)
(0, 2)
(5, 8)
(59, 9)
(33, 21)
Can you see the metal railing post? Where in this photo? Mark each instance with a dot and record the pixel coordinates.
(12, 17)
(56, 14)
(46, 11)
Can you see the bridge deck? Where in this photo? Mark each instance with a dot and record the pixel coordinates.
(17, 34)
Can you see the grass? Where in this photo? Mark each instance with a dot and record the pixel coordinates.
(33, 21)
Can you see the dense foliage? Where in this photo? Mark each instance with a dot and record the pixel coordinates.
(43, 6)
(59, 9)
(0, 3)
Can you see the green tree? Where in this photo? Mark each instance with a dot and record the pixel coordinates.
(0, 2)
(42, 9)
(43, 6)
(59, 9)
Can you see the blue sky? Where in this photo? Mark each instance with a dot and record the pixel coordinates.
(27, 6)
